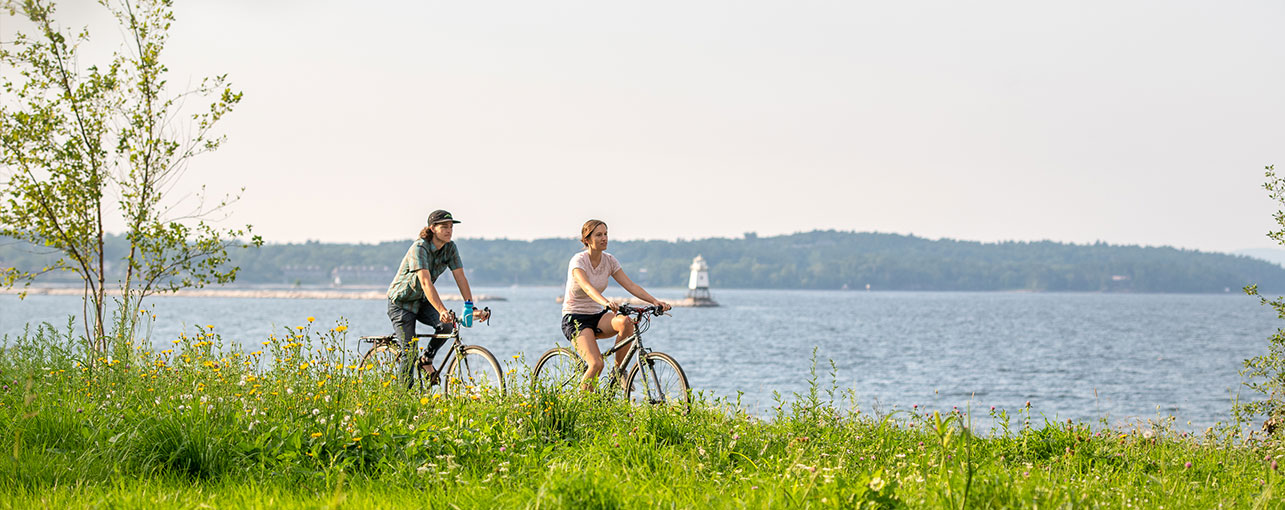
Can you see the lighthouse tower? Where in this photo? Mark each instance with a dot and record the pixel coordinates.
(698, 284)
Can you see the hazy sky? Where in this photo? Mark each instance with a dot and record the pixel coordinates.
(1128, 122)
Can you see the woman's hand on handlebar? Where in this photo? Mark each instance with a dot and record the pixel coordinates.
(664, 307)
(482, 315)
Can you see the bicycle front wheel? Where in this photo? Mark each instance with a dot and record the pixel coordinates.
(382, 361)
(660, 382)
(559, 369)
(474, 373)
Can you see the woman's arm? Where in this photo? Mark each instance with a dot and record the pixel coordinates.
(635, 289)
(582, 280)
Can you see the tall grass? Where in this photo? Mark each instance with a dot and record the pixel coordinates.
(295, 422)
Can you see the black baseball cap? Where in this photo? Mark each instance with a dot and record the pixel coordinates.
(440, 216)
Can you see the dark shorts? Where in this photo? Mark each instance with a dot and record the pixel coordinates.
(573, 323)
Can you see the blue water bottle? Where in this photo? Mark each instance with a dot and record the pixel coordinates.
(468, 314)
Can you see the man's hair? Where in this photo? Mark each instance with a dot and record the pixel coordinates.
(588, 229)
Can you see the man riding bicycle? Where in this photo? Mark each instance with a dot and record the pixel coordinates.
(413, 298)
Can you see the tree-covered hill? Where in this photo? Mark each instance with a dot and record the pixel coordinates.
(811, 260)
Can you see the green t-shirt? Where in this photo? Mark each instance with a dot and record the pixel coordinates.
(406, 289)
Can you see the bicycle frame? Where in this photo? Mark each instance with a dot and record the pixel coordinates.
(635, 348)
(637, 352)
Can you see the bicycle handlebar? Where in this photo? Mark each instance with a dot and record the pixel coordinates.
(627, 309)
(455, 320)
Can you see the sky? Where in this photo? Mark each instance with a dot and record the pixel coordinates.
(1127, 122)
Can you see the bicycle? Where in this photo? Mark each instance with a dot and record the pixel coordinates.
(469, 369)
(662, 380)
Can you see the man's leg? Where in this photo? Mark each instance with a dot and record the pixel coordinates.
(404, 328)
(429, 317)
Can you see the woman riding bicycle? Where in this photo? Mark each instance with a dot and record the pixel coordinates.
(413, 298)
(587, 316)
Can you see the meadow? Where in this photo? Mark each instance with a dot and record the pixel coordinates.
(298, 424)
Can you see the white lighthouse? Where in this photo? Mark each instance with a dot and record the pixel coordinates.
(698, 284)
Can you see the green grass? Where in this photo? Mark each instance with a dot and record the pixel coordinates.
(200, 425)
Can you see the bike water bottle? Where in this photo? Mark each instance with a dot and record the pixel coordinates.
(467, 318)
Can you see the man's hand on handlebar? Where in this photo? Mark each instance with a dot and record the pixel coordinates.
(448, 317)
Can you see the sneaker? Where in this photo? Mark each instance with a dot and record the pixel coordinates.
(426, 367)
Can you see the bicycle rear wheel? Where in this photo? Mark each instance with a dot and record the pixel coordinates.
(661, 382)
(382, 360)
(474, 373)
(559, 369)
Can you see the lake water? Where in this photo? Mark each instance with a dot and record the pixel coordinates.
(1078, 356)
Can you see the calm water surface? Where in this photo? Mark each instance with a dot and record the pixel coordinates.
(1078, 356)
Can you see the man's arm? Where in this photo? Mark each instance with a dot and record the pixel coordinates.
(430, 292)
(467, 293)
(462, 282)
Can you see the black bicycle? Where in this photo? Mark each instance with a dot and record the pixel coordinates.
(656, 379)
(469, 369)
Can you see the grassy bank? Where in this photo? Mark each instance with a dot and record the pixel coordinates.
(297, 424)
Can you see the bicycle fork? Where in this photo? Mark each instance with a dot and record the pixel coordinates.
(650, 381)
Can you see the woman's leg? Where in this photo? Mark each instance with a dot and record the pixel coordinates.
(622, 328)
(587, 346)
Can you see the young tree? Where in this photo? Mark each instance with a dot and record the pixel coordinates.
(71, 138)
(1265, 374)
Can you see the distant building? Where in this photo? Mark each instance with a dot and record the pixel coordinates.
(698, 284)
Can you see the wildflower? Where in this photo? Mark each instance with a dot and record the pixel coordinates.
(266, 342)
(341, 329)
(877, 483)
(1187, 465)
(502, 451)
(316, 434)
(422, 400)
(310, 319)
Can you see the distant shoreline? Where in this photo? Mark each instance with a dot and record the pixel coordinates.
(249, 293)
